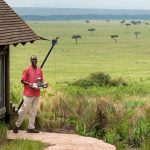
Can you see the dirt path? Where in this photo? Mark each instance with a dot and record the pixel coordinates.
(63, 141)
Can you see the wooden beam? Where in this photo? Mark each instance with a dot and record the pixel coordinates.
(7, 81)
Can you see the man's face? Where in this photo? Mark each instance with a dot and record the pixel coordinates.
(34, 61)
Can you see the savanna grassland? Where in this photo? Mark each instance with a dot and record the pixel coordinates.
(112, 105)
(129, 58)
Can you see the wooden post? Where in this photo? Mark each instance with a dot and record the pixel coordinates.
(2, 78)
(7, 84)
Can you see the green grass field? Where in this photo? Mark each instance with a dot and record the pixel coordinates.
(129, 58)
(126, 107)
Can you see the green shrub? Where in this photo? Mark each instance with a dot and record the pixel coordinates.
(146, 144)
(80, 128)
(3, 133)
(15, 93)
(45, 121)
(72, 120)
(111, 136)
(133, 104)
(118, 82)
(105, 112)
(120, 145)
(147, 116)
(139, 132)
(24, 125)
(122, 127)
(23, 145)
(99, 79)
(95, 131)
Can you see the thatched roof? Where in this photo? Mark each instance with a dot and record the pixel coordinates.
(13, 29)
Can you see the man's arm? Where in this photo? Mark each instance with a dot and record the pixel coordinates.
(26, 83)
(24, 77)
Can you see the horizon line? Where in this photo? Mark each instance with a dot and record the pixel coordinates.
(81, 8)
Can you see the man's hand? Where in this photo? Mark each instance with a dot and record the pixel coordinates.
(26, 83)
(45, 85)
(30, 85)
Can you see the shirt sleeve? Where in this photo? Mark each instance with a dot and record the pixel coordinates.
(24, 75)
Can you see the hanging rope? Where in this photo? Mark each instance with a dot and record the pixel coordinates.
(55, 74)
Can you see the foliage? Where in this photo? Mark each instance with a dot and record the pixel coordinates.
(87, 21)
(76, 106)
(136, 34)
(139, 132)
(15, 92)
(146, 144)
(135, 22)
(23, 145)
(3, 133)
(111, 137)
(122, 21)
(114, 120)
(45, 121)
(128, 24)
(76, 37)
(99, 79)
(91, 30)
(114, 37)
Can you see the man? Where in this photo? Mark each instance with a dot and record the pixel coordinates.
(31, 93)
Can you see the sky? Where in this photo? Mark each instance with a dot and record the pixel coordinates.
(98, 4)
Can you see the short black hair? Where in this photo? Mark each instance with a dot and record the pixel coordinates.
(33, 57)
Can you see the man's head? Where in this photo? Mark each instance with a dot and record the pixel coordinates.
(33, 60)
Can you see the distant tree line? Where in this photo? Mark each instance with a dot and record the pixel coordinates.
(85, 17)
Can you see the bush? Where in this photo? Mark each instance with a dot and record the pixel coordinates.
(139, 133)
(99, 79)
(3, 133)
(23, 145)
(146, 144)
(15, 93)
(111, 136)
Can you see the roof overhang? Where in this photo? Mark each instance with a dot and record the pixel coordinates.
(13, 30)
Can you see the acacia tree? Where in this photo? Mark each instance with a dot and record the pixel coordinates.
(91, 30)
(136, 34)
(128, 24)
(76, 37)
(87, 21)
(114, 37)
(122, 21)
(146, 23)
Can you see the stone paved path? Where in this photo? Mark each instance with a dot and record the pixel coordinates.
(60, 141)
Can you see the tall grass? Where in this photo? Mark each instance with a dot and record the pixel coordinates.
(115, 113)
(23, 145)
(112, 120)
(3, 132)
(15, 92)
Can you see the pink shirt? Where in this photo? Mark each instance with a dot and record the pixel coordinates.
(30, 75)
